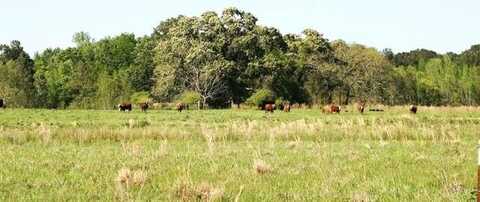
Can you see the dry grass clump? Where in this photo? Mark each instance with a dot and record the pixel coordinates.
(128, 178)
(133, 149)
(124, 176)
(292, 144)
(139, 178)
(207, 192)
(261, 167)
(360, 197)
(452, 189)
(132, 123)
(185, 190)
(161, 151)
(209, 134)
(75, 124)
(44, 132)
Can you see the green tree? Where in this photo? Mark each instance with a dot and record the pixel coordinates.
(22, 69)
(471, 56)
(140, 73)
(192, 52)
(12, 84)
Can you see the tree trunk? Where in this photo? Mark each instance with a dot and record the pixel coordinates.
(204, 103)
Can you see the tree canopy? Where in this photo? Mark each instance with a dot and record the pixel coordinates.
(219, 59)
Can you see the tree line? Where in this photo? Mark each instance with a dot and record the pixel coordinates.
(221, 59)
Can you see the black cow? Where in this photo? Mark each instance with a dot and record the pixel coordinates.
(125, 107)
(413, 109)
(2, 104)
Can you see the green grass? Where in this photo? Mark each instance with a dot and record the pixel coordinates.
(210, 155)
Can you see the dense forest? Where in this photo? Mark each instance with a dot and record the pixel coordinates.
(220, 59)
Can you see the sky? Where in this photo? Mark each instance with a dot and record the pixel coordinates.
(402, 25)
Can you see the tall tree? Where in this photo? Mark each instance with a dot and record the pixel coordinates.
(471, 56)
(140, 73)
(192, 51)
(22, 65)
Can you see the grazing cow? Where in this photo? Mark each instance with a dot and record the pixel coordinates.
(361, 107)
(144, 106)
(269, 108)
(180, 106)
(286, 107)
(125, 107)
(335, 108)
(332, 108)
(413, 109)
(2, 104)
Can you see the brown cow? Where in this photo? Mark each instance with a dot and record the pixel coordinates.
(286, 107)
(180, 106)
(332, 108)
(124, 107)
(335, 108)
(144, 106)
(413, 109)
(269, 108)
(361, 107)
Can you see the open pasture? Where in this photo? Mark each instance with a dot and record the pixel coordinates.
(244, 155)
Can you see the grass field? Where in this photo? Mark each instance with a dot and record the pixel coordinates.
(244, 155)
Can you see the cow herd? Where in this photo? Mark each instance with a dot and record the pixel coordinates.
(268, 107)
(335, 109)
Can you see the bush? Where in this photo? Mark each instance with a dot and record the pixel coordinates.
(163, 106)
(280, 101)
(190, 97)
(261, 97)
(140, 97)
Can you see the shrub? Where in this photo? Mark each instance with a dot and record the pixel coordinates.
(140, 97)
(280, 101)
(261, 97)
(190, 97)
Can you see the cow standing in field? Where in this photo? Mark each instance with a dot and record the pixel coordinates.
(144, 106)
(361, 107)
(2, 104)
(413, 109)
(332, 108)
(335, 108)
(125, 107)
(286, 107)
(180, 107)
(269, 108)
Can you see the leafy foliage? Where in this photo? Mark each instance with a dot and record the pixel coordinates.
(228, 58)
(190, 97)
(261, 97)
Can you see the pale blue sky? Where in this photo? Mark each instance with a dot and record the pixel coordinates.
(440, 25)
